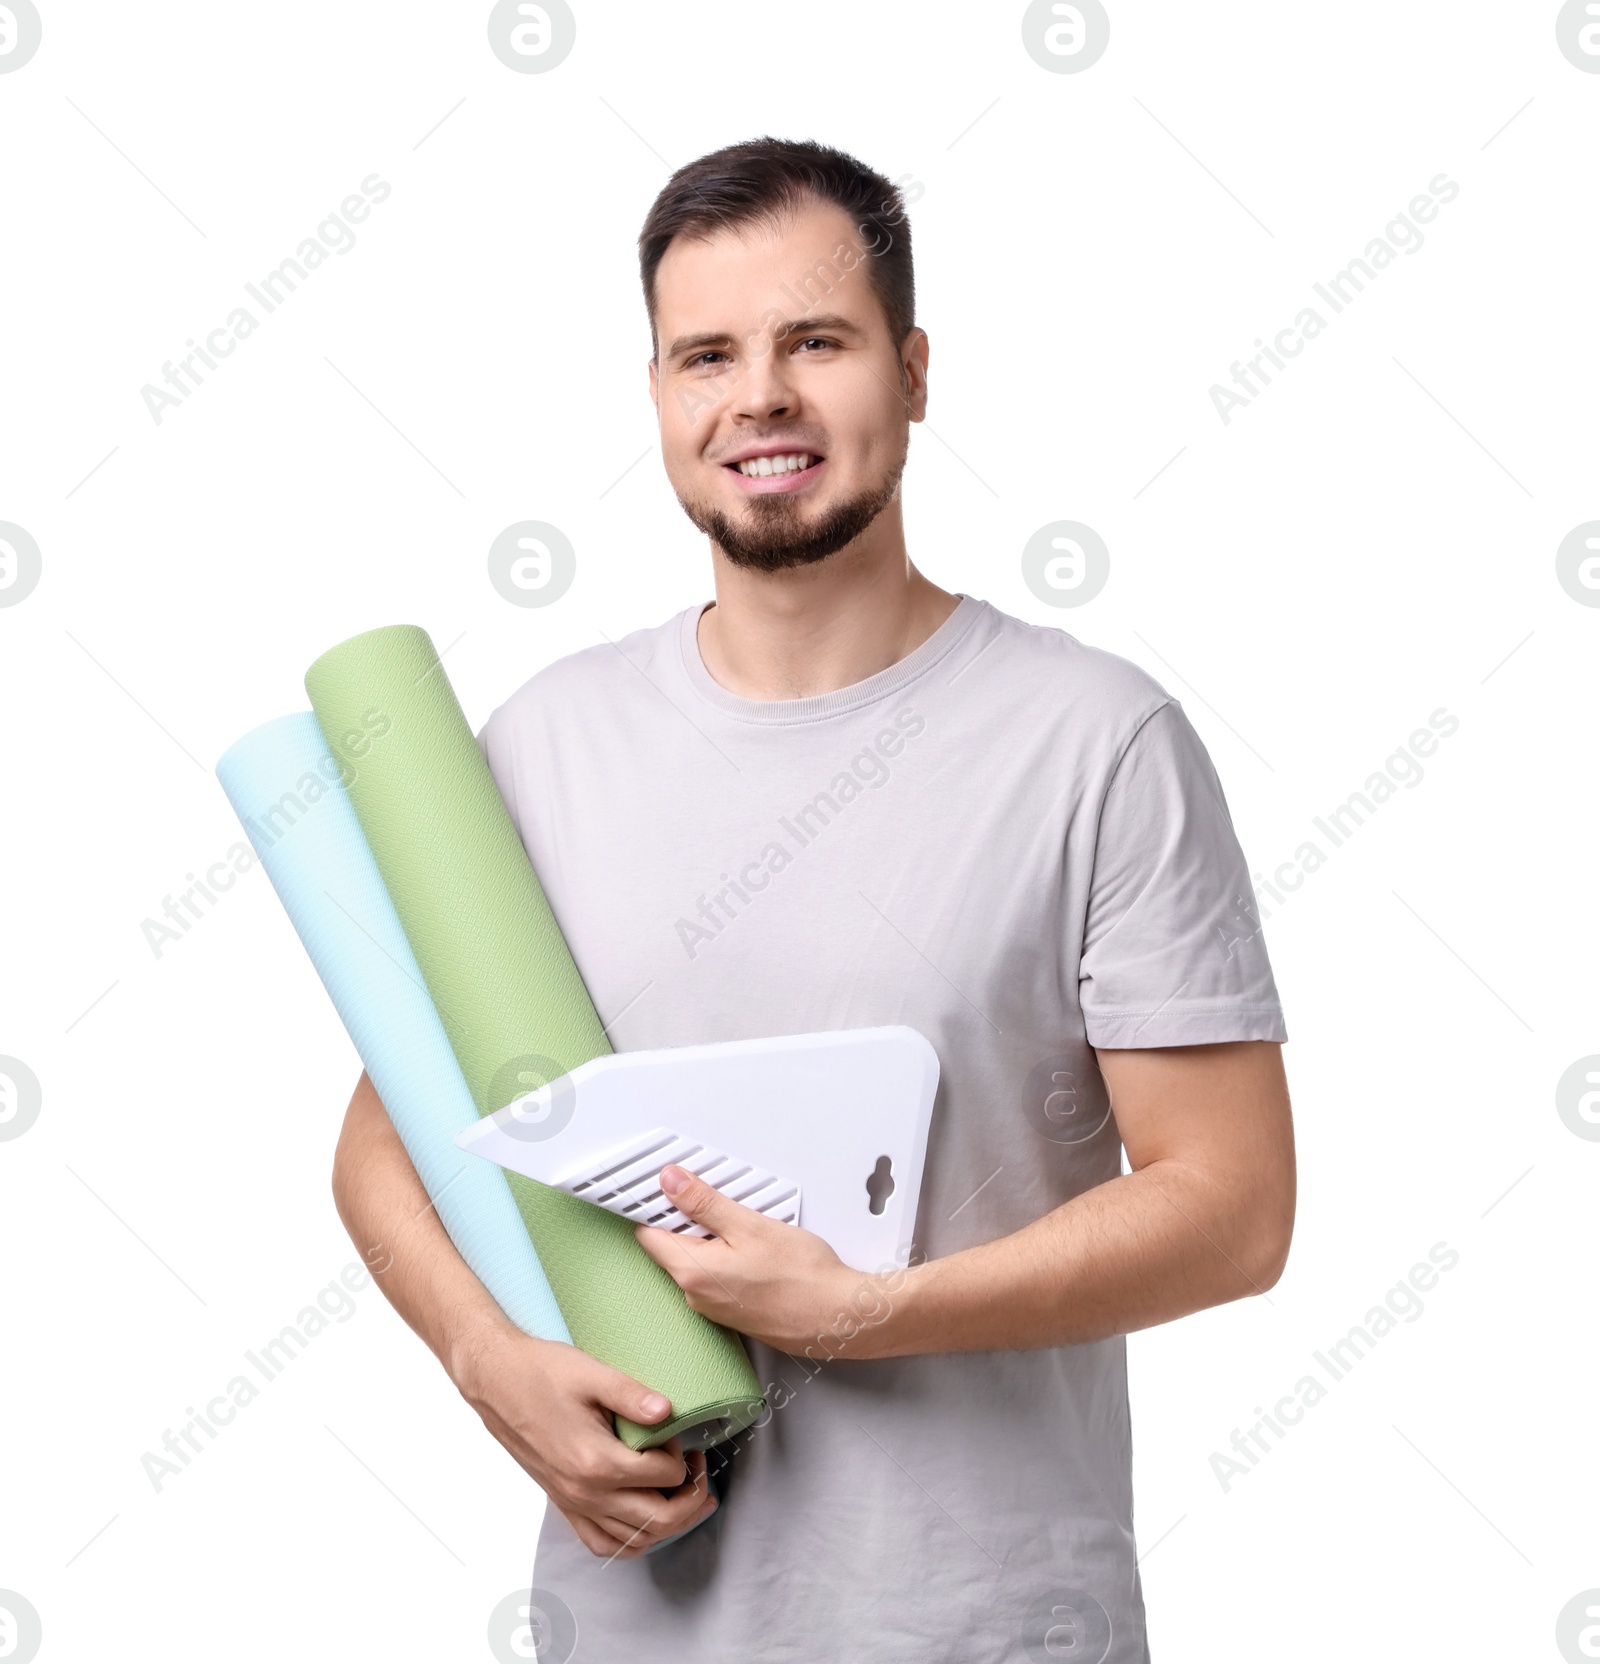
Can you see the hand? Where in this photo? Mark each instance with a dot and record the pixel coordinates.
(550, 1405)
(775, 1282)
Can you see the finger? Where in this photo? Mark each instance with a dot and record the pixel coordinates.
(661, 1512)
(633, 1544)
(622, 1395)
(607, 1464)
(656, 1470)
(676, 1253)
(632, 1518)
(595, 1536)
(703, 1203)
(695, 1483)
(694, 1464)
(694, 1477)
(647, 1517)
(624, 1523)
(645, 1467)
(626, 1545)
(646, 1540)
(670, 1251)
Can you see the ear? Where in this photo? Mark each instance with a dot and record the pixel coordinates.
(914, 367)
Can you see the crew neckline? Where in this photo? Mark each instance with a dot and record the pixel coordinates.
(944, 640)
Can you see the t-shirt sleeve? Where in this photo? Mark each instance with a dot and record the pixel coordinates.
(1173, 952)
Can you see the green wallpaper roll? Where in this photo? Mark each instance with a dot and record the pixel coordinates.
(513, 1004)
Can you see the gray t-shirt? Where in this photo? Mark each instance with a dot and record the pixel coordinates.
(1017, 844)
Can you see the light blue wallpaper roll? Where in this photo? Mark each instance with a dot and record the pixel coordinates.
(285, 787)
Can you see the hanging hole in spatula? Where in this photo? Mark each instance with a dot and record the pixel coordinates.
(880, 1186)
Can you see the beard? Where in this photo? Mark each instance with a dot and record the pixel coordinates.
(773, 533)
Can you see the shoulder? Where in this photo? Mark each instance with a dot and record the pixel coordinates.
(1082, 681)
(587, 685)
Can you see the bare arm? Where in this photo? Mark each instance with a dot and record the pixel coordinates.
(1204, 1217)
(549, 1404)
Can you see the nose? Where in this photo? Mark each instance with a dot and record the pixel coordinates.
(766, 391)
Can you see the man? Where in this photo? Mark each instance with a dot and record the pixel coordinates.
(838, 797)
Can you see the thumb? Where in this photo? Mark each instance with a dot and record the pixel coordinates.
(623, 1396)
(701, 1202)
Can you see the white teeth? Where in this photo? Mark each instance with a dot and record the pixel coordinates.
(759, 467)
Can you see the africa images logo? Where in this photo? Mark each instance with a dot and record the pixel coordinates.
(20, 564)
(20, 33)
(1066, 36)
(531, 36)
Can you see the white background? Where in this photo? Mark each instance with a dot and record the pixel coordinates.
(1372, 539)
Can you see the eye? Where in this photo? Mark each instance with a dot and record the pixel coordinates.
(816, 341)
(700, 358)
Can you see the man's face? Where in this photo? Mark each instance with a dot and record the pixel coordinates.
(784, 405)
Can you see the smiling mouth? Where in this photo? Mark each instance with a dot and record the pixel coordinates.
(766, 467)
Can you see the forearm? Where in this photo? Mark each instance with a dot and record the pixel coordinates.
(390, 1219)
(1141, 1249)
(1205, 1216)
(550, 1405)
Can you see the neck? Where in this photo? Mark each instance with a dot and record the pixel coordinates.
(814, 629)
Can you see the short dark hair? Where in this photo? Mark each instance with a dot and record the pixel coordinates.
(763, 179)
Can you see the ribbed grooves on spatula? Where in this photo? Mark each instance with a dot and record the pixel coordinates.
(625, 1181)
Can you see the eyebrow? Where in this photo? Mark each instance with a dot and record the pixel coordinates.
(832, 321)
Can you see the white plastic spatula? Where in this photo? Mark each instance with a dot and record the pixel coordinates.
(828, 1131)
(624, 1180)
